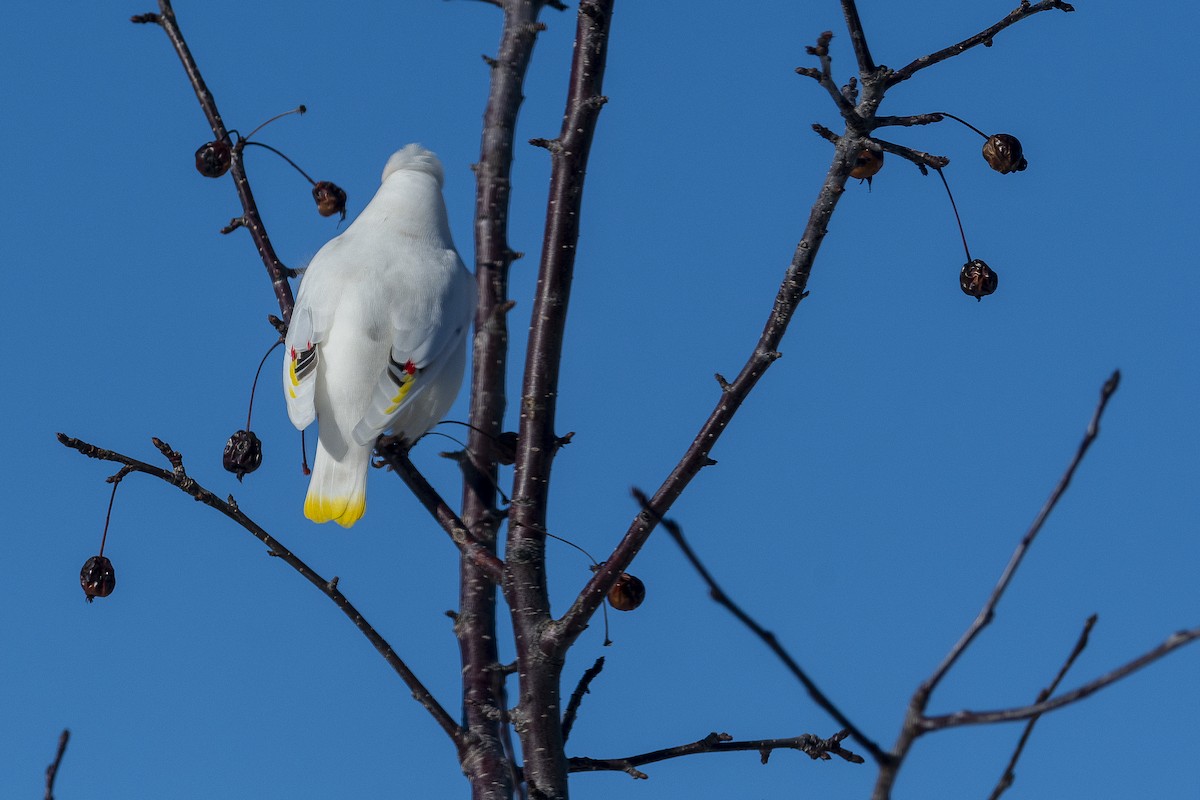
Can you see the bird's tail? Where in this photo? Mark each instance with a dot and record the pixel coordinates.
(338, 488)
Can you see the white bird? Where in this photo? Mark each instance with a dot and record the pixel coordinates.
(377, 336)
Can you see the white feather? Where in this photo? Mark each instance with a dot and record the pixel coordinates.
(390, 290)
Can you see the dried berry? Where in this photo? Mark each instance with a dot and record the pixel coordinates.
(1002, 151)
(978, 279)
(97, 577)
(243, 453)
(331, 199)
(506, 447)
(213, 158)
(627, 593)
(868, 163)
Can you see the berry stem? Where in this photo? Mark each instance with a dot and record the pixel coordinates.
(964, 122)
(297, 110)
(108, 515)
(295, 166)
(954, 206)
(254, 385)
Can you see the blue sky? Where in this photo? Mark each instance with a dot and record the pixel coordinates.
(865, 500)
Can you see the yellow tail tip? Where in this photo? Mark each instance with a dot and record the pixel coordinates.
(345, 511)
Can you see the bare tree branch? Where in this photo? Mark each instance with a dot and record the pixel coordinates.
(52, 770)
(733, 394)
(581, 689)
(1173, 643)
(815, 747)
(915, 722)
(493, 773)
(1006, 780)
(178, 477)
(984, 37)
(824, 75)
(394, 453)
(866, 64)
(989, 609)
(768, 638)
(539, 653)
(250, 219)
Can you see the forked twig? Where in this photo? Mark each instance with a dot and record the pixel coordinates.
(1010, 570)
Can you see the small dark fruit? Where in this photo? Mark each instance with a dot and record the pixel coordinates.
(1002, 151)
(978, 279)
(627, 593)
(243, 454)
(97, 578)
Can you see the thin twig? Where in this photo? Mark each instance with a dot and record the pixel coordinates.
(1006, 780)
(768, 638)
(824, 75)
(250, 219)
(581, 689)
(984, 37)
(960, 718)
(179, 478)
(395, 453)
(915, 722)
(866, 64)
(52, 770)
(815, 747)
(989, 609)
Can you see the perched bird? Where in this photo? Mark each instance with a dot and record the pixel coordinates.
(377, 337)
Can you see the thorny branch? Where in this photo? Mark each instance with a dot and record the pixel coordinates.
(177, 476)
(251, 220)
(815, 747)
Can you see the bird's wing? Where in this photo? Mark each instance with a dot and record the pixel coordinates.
(420, 347)
(302, 354)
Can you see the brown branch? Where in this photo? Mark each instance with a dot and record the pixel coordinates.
(52, 770)
(1006, 780)
(582, 688)
(1173, 643)
(250, 218)
(824, 75)
(909, 121)
(921, 159)
(539, 655)
(815, 747)
(768, 638)
(984, 37)
(394, 453)
(179, 478)
(866, 64)
(492, 768)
